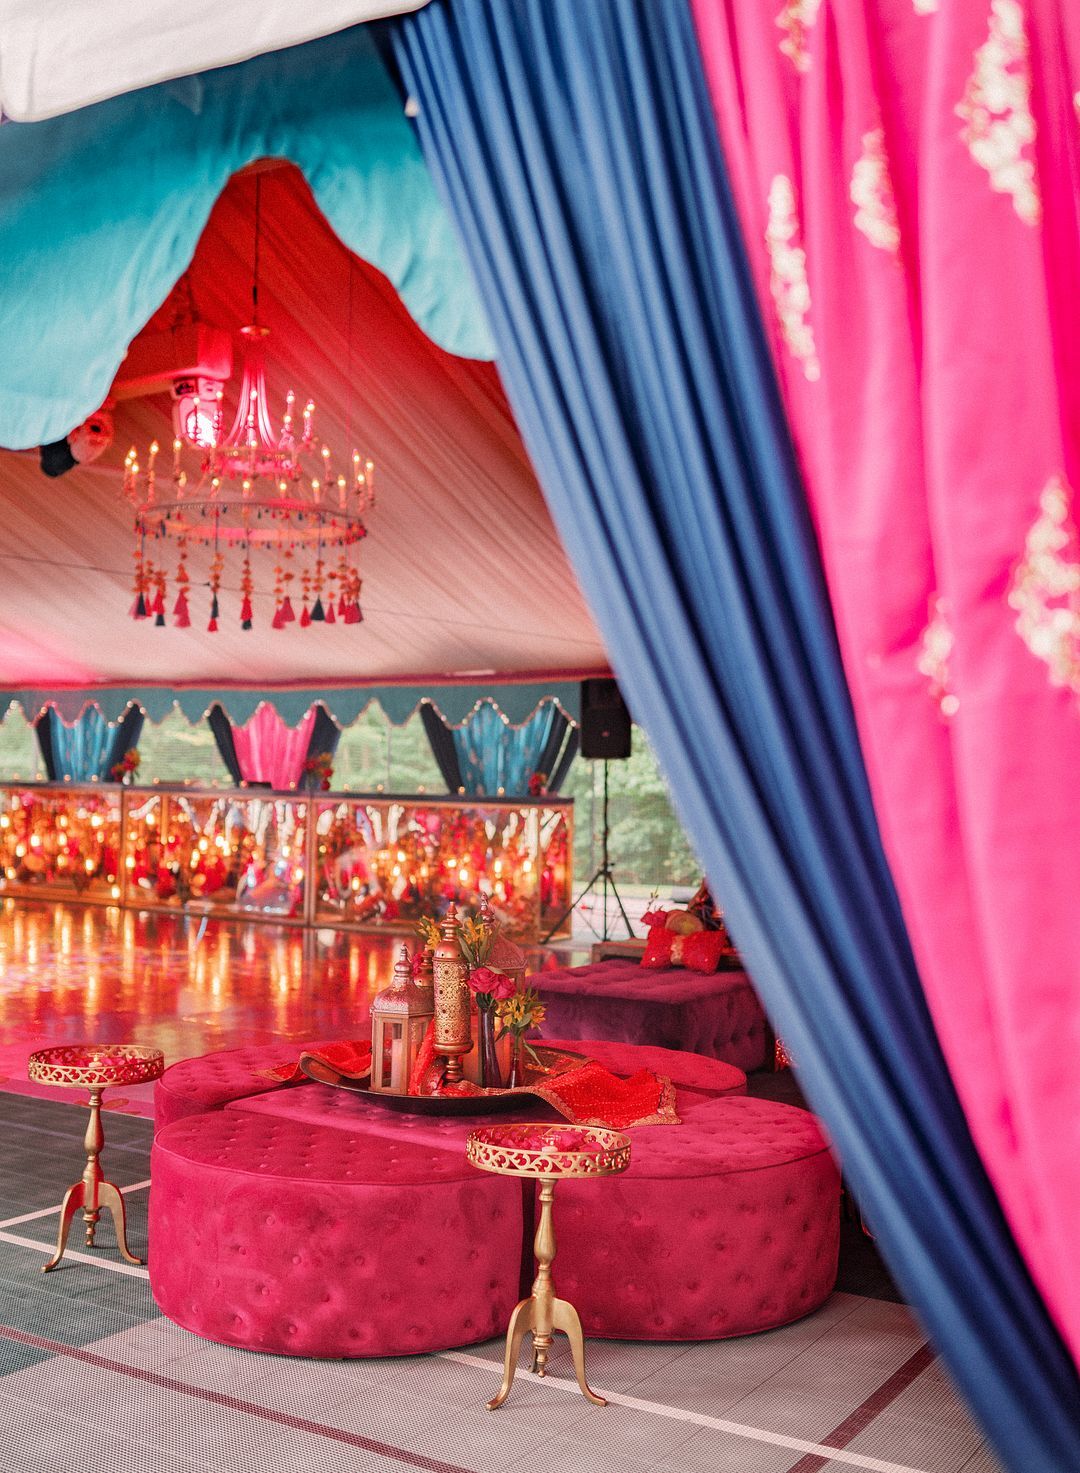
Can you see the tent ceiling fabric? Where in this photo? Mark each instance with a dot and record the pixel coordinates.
(101, 210)
(463, 572)
(59, 55)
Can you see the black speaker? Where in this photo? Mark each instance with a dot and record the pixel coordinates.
(605, 721)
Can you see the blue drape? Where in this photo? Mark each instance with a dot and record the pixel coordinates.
(88, 749)
(325, 735)
(578, 151)
(486, 755)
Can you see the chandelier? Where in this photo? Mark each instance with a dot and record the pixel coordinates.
(263, 489)
(259, 488)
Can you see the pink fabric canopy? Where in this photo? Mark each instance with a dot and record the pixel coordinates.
(268, 751)
(908, 173)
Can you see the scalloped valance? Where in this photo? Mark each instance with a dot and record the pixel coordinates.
(455, 703)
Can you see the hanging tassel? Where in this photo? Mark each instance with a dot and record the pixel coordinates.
(342, 606)
(211, 628)
(318, 613)
(245, 610)
(245, 623)
(159, 621)
(331, 617)
(352, 614)
(287, 614)
(277, 622)
(139, 608)
(305, 618)
(214, 610)
(158, 606)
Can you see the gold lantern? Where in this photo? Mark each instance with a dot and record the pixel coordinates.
(453, 1032)
(400, 1016)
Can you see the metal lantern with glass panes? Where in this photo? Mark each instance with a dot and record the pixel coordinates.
(400, 1016)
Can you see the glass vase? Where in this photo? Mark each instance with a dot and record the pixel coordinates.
(490, 1074)
(516, 1077)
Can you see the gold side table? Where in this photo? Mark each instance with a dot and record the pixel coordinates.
(548, 1153)
(94, 1067)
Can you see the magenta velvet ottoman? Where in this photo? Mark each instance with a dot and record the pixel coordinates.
(275, 1235)
(209, 1082)
(726, 1225)
(716, 1013)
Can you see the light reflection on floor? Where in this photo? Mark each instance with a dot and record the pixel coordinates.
(184, 984)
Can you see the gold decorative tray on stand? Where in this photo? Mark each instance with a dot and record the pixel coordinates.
(552, 1063)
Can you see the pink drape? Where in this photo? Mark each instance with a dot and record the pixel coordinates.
(268, 751)
(908, 175)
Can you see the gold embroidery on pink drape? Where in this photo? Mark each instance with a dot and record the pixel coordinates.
(925, 7)
(996, 109)
(1045, 588)
(787, 279)
(796, 20)
(872, 194)
(935, 647)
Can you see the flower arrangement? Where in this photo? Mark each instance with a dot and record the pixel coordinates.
(321, 770)
(127, 766)
(538, 785)
(522, 1011)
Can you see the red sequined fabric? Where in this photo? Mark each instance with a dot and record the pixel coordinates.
(350, 1057)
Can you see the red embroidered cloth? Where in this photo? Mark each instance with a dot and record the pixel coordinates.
(349, 1057)
(588, 1095)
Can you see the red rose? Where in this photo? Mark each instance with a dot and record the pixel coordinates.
(492, 984)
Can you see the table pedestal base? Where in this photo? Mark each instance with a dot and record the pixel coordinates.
(92, 1194)
(543, 1314)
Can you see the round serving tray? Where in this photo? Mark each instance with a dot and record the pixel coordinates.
(555, 1062)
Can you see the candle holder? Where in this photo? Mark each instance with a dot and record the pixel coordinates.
(453, 1031)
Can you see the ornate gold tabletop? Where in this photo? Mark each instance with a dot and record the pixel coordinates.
(549, 1153)
(96, 1065)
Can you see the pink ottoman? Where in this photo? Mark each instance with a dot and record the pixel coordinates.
(271, 1234)
(717, 1014)
(726, 1225)
(209, 1082)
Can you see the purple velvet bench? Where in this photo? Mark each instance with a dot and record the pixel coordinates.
(303, 1220)
(716, 1013)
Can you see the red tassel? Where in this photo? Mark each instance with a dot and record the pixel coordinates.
(158, 606)
(352, 614)
(182, 622)
(211, 628)
(287, 614)
(342, 606)
(305, 618)
(331, 617)
(138, 608)
(245, 609)
(277, 622)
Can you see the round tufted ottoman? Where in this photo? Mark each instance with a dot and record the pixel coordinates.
(211, 1081)
(272, 1234)
(723, 1226)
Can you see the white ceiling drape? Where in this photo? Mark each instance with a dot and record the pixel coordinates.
(59, 55)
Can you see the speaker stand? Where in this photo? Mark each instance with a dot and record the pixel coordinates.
(603, 876)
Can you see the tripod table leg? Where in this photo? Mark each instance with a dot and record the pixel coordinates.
(73, 1200)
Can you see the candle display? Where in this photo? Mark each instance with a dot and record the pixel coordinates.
(369, 861)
